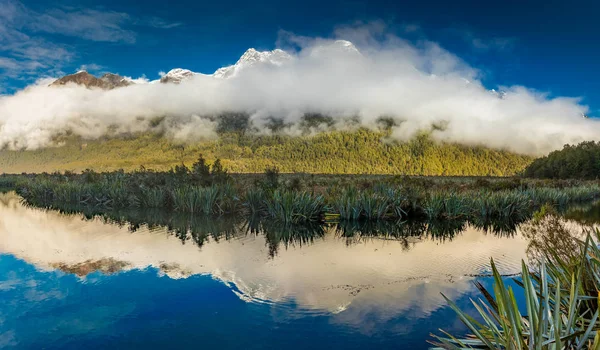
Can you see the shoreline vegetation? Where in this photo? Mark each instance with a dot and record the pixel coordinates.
(210, 190)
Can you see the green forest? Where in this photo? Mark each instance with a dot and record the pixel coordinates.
(580, 161)
(335, 152)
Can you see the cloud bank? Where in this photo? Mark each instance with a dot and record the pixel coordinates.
(416, 85)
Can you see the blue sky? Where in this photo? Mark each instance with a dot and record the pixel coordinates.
(549, 46)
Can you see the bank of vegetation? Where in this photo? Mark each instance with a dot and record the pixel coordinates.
(209, 190)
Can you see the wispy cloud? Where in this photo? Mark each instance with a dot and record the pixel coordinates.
(91, 67)
(157, 22)
(87, 24)
(497, 44)
(27, 54)
(484, 43)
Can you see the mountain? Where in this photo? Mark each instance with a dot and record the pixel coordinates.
(177, 75)
(251, 58)
(336, 152)
(107, 81)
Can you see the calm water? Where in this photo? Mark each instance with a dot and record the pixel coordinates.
(71, 282)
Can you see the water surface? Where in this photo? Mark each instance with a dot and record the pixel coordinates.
(67, 281)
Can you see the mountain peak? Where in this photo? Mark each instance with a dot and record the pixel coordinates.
(115, 80)
(252, 57)
(107, 81)
(177, 75)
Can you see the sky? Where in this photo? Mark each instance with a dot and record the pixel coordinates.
(550, 46)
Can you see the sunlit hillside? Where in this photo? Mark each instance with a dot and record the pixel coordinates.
(356, 152)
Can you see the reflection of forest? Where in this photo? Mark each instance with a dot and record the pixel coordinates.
(388, 267)
(553, 236)
(200, 229)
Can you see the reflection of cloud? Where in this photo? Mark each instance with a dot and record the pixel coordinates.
(8, 285)
(8, 338)
(373, 277)
(26, 307)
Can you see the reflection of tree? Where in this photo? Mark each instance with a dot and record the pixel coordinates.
(354, 232)
(446, 229)
(200, 229)
(184, 226)
(500, 228)
(550, 238)
(584, 214)
(276, 233)
(406, 232)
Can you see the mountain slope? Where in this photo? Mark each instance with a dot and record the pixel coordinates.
(107, 81)
(336, 152)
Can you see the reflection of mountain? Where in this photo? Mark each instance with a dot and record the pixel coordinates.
(374, 275)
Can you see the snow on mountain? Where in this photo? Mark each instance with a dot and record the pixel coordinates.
(177, 75)
(252, 57)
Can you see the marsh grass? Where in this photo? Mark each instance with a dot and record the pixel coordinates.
(183, 190)
(294, 207)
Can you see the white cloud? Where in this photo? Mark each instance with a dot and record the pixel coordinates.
(92, 67)
(86, 23)
(416, 84)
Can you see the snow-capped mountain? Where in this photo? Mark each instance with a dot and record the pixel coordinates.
(252, 57)
(178, 75)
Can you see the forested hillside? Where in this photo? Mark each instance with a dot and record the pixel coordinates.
(357, 152)
(580, 161)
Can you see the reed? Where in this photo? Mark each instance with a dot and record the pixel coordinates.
(200, 200)
(180, 190)
(294, 207)
(255, 201)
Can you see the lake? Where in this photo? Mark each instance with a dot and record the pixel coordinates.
(69, 281)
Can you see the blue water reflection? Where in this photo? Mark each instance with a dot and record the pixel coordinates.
(71, 283)
(141, 309)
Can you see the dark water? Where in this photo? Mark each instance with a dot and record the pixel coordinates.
(71, 282)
